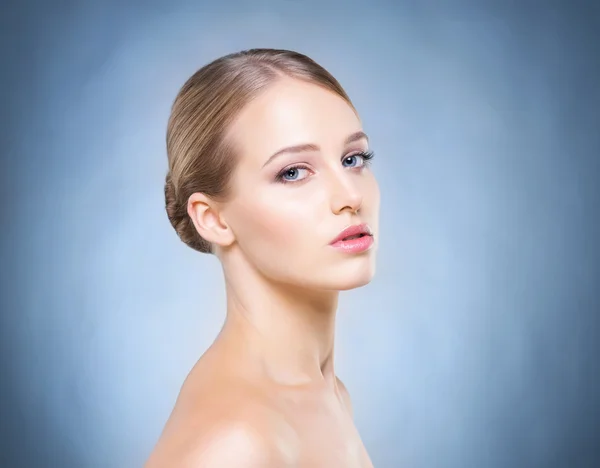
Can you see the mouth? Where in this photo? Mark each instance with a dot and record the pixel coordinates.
(357, 231)
(354, 240)
(357, 236)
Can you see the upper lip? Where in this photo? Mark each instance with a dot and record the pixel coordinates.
(353, 231)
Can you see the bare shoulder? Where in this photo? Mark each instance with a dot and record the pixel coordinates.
(345, 394)
(217, 427)
(227, 442)
(240, 443)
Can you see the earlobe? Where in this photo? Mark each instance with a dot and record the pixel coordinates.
(208, 221)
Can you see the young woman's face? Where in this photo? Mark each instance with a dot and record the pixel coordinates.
(287, 209)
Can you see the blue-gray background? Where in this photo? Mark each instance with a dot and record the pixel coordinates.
(474, 346)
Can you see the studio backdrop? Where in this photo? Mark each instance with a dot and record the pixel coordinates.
(475, 344)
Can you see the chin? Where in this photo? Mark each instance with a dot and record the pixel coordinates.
(348, 277)
(351, 285)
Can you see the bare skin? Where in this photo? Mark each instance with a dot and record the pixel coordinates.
(265, 394)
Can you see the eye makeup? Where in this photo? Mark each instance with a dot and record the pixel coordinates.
(290, 171)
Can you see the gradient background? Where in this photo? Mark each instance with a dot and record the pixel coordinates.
(475, 345)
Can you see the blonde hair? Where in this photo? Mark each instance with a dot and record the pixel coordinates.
(200, 159)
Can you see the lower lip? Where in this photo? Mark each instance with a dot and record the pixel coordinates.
(360, 244)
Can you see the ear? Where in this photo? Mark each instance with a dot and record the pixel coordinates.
(207, 219)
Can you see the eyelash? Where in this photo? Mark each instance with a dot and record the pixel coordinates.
(367, 156)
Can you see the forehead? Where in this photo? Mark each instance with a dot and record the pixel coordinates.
(291, 112)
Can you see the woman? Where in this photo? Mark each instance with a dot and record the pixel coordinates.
(269, 171)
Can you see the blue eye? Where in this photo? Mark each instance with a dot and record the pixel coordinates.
(350, 160)
(291, 174)
(363, 158)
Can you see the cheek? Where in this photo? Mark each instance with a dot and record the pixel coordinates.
(270, 225)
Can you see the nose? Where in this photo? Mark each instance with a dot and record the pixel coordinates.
(345, 195)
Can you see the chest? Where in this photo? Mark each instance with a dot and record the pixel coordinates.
(321, 434)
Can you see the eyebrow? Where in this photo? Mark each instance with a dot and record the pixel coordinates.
(313, 147)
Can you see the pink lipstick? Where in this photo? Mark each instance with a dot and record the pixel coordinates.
(354, 239)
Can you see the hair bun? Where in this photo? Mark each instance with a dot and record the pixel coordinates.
(173, 211)
(180, 220)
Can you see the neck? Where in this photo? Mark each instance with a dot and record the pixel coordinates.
(286, 332)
